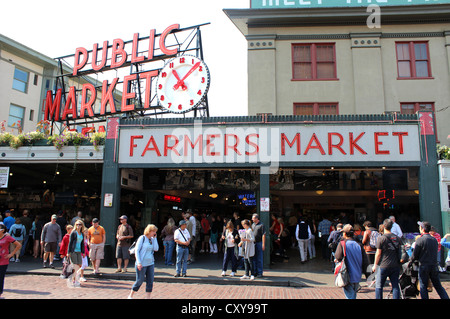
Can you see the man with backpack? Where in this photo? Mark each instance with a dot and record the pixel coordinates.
(387, 259)
(370, 240)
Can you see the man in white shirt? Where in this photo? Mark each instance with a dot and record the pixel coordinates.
(303, 235)
(182, 239)
(396, 228)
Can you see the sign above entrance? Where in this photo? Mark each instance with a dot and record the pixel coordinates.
(286, 4)
(269, 144)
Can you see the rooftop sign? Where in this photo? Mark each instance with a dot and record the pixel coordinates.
(287, 4)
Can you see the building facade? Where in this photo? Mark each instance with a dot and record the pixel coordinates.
(311, 59)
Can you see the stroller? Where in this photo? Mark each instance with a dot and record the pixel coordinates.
(408, 281)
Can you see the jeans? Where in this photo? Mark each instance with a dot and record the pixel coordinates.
(258, 259)
(350, 290)
(382, 273)
(182, 257)
(230, 256)
(169, 245)
(248, 264)
(146, 274)
(430, 272)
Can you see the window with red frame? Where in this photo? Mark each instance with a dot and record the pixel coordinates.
(316, 109)
(413, 60)
(314, 61)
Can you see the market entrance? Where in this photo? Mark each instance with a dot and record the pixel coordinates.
(346, 195)
(218, 192)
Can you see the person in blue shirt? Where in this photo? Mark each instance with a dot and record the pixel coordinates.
(9, 220)
(356, 260)
(146, 245)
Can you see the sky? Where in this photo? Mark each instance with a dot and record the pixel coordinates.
(57, 27)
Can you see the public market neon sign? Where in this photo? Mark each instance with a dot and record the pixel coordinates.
(98, 61)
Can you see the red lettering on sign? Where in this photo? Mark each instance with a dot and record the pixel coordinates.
(95, 66)
(52, 107)
(353, 144)
(126, 94)
(250, 143)
(87, 105)
(77, 64)
(198, 141)
(118, 50)
(108, 97)
(400, 140)
(132, 145)
(134, 52)
(162, 40)
(338, 145)
(317, 145)
(209, 144)
(234, 146)
(284, 139)
(378, 143)
(71, 105)
(154, 147)
(167, 147)
(151, 45)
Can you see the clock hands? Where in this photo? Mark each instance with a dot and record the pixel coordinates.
(181, 82)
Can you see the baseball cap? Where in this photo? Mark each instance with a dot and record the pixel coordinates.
(123, 217)
(95, 220)
(182, 222)
(425, 225)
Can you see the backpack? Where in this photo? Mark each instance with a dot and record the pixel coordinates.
(374, 235)
(18, 232)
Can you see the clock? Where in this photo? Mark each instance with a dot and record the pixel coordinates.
(182, 84)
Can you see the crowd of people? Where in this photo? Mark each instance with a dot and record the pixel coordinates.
(379, 250)
(242, 242)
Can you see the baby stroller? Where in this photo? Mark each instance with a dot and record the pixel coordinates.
(408, 281)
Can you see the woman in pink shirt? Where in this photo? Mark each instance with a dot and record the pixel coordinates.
(5, 241)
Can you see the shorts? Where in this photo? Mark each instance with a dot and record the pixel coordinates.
(76, 258)
(122, 252)
(50, 247)
(97, 251)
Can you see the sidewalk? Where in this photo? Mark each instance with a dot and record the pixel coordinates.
(207, 270)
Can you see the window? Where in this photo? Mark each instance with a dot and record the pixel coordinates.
(413, 60)
(20, 82)
(412, 108)
(316, 109)
(314, 61)
(16, 114)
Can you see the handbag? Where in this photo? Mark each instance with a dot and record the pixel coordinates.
(342, 277)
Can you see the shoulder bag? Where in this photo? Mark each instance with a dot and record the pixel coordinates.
(341, 272)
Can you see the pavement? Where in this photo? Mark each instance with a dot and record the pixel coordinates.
(207, 269)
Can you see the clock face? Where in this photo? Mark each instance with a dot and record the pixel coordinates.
(182, 84)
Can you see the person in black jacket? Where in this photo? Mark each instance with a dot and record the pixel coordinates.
(425, 252)
(231, 239)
